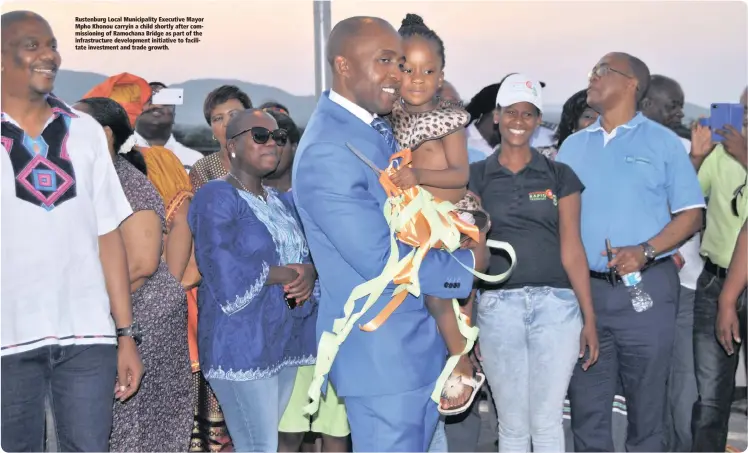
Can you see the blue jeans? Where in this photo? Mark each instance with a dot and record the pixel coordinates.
(253, 409)
(529, 341)
(77, 380)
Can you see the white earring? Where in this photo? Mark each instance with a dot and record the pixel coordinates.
(233, 155)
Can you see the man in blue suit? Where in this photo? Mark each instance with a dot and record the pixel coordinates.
(386, 376)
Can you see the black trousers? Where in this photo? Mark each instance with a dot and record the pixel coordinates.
(635, 347)
(715, 370)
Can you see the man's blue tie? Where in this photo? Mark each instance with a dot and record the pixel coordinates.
(384, 128)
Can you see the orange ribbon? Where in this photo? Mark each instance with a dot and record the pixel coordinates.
(416, 233)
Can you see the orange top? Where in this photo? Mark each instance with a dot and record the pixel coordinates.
(168, 176)
(130, 91)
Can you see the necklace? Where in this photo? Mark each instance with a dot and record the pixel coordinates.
(262, 197)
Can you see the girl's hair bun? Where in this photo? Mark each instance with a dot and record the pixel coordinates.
(412, 20)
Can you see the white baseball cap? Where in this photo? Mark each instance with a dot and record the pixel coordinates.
(520, 88)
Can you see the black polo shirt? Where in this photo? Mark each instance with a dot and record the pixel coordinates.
(524, 212)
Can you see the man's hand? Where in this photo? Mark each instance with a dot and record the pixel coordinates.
(129, 369)
(301, 288)
(727, 328)
(627, 259)
(405, 177)
(588, 339)
(734, 143)
(679, 260)
(701, 141)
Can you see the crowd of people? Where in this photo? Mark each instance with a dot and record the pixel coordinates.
(154, 299)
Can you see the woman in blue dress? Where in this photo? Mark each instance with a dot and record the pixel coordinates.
(256, 322)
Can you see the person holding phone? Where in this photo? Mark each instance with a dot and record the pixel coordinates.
(254, 327)
(155, 126)
(732, 141)
(722, 175)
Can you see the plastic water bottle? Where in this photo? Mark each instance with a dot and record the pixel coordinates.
(639, 298)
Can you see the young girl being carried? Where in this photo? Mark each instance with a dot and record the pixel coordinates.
(434, 129)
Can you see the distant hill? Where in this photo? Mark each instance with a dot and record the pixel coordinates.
(72, 85)
(552, 113)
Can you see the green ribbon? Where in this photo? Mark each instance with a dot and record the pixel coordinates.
(397, 217)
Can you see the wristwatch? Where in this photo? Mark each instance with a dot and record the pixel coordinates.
(649, 252)
(133, 331)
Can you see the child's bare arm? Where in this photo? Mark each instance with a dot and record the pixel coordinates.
(457, 173)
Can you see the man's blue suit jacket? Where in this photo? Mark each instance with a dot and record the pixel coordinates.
(340, 202)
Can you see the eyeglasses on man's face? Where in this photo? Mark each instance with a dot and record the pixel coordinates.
(603, 70)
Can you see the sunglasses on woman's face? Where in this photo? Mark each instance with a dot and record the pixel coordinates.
(735, 196)
(261, 135)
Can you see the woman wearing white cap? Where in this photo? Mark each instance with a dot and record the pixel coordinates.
(532, 329)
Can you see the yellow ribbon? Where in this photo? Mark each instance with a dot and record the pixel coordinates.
(417, 218)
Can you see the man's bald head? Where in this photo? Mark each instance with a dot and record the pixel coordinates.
(365, 54)
(660, 85)
(664, 101)
(639, 70)
(347, 32)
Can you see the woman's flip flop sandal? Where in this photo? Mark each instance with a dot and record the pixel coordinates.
(454, 387)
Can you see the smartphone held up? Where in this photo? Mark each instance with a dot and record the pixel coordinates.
(168, 96)
(723, 114)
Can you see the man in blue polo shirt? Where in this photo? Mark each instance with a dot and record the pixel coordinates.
(643, 194)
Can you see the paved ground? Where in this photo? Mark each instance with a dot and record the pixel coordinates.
(737, 439)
